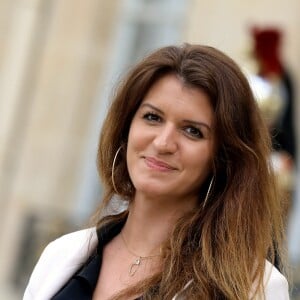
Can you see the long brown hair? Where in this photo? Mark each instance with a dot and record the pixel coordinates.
(222, 248)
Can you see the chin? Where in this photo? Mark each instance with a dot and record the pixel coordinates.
(152, 190)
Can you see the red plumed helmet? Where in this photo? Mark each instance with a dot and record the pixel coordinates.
(267, 44)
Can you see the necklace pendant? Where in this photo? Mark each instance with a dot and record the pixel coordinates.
(137, 261)
(134, 266)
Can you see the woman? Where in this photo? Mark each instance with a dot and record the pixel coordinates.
(184, 144)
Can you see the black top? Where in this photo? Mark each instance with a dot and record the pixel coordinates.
(82, 284)
(283, 131)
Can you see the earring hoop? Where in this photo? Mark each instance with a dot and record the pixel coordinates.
(113, 170)
(208, 191)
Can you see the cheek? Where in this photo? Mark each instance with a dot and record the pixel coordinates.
(130, 148)
(139, 136)
(135, 143)
(201, 169)
(134, 139)
(201, 162)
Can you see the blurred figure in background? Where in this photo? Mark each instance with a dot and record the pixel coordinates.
(277, 103)
(278, 108)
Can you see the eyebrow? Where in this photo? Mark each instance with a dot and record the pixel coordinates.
(185, 121)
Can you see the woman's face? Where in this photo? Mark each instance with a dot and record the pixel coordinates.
(171, 141)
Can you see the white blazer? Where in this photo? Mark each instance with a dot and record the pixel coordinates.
(64, 256)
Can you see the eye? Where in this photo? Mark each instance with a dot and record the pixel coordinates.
(194, 132)
(152, 117)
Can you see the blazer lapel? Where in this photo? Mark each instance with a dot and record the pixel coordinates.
(59, 261)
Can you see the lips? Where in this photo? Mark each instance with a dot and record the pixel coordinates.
(159, 165)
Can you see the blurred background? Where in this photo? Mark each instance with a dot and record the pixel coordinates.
(59, 63)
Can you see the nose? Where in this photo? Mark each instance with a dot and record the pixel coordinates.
(165, 140)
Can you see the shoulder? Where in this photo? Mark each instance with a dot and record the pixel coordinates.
(275, 284)
(72, 242)
(72, 247)
(59, 261)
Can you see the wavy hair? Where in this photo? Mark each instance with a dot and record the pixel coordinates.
(222, 248)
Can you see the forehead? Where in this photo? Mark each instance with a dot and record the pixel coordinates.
(171, 94)
(172, 81)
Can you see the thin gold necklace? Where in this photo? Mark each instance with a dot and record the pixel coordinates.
(137, 261)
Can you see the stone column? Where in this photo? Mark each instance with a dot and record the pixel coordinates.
(54, 61)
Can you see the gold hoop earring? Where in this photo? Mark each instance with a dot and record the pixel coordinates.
(208, 191)
(113, 170)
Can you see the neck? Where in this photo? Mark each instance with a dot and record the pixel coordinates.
(150, 222)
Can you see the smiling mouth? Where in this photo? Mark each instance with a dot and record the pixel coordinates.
(158, 165)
